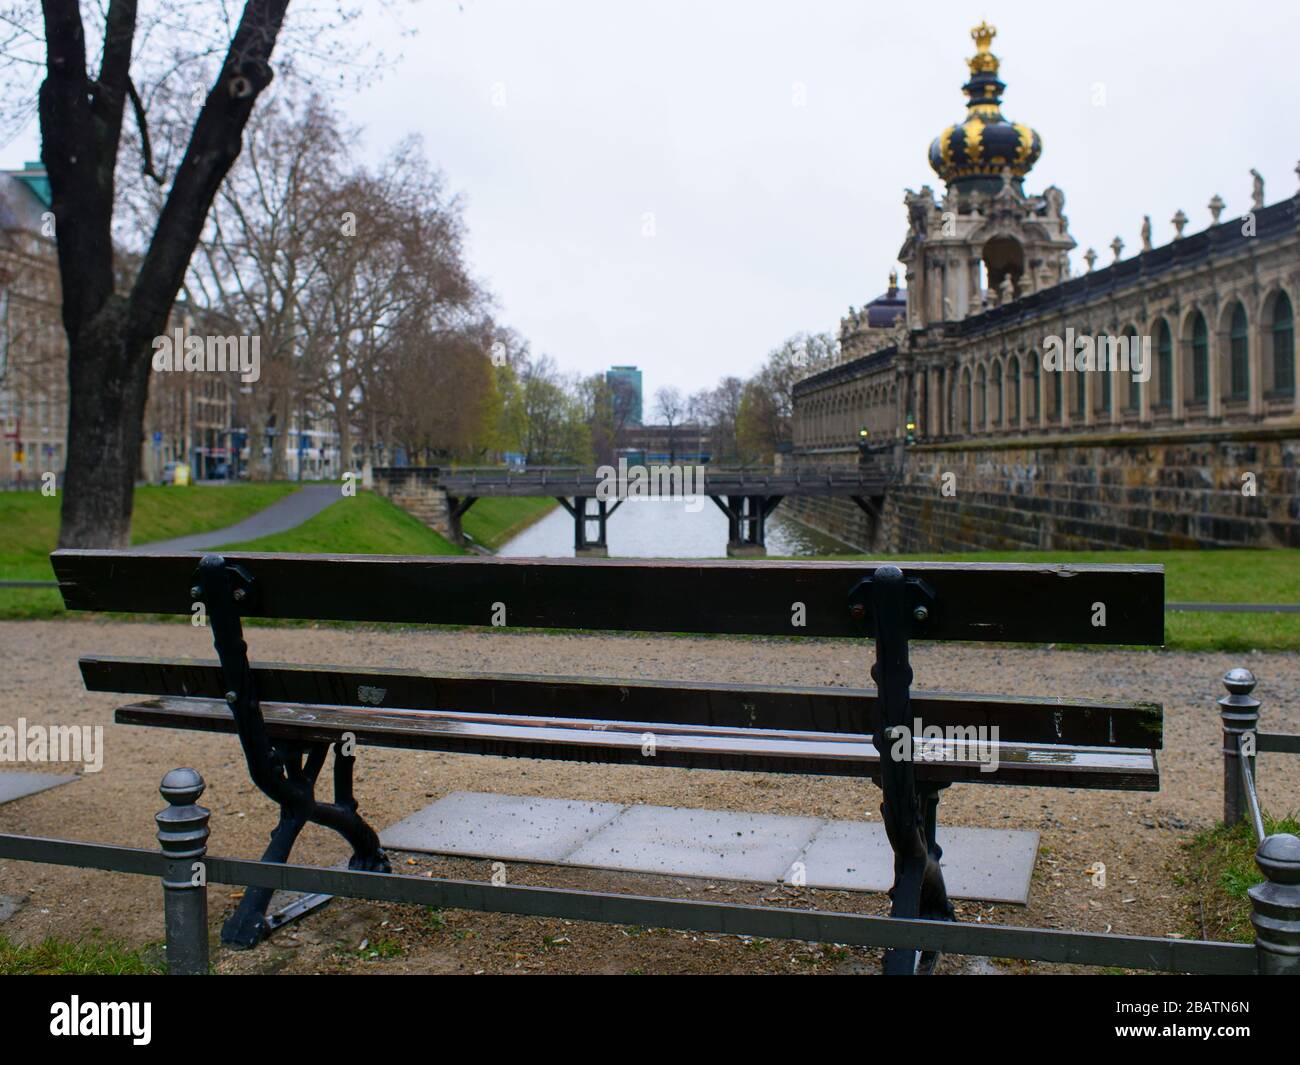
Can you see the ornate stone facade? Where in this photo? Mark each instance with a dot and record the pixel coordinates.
(989, 285)
(994, 347)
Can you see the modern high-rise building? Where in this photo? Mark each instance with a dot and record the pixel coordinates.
(625, 382)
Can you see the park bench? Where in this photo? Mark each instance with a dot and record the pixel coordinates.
(287, 717)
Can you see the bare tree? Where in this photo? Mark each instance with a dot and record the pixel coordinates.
(718, 409)
(112, 314)
(263, 250)
(608, 405)
(670, 406)
(393, 302)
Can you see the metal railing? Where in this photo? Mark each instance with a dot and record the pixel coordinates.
(186, 869)
(1275, 903)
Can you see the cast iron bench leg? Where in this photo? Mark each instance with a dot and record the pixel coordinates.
(898, 608)
(277, 769)
(248, 925)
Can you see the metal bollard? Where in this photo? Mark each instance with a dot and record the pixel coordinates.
(1275, 906)
(183, 833)
(1240, 714)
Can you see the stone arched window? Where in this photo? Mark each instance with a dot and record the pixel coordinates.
(1281, 345)
(981, 387)
(1013, 389)
(1164, 368)
(1102, 386)
(999, 406)
(1199, 364)
(1136, 353)
(951, 408)
(967, 403)
(1034, 373)
(1081, 393)
(1238, 354)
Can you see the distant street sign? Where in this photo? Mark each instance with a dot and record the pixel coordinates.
(157, 436)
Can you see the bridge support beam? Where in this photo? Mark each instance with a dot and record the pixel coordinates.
(584, 544)
(747, 523)
(874, 509)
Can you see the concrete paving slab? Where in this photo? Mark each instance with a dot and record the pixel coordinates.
(994, 865)
(509, 827)
(19, 785)
(704, 843)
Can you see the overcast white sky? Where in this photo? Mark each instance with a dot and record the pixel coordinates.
(771, 218)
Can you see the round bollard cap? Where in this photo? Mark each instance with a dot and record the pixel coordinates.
(181, 787)
(1278, 858)
(1239, 681)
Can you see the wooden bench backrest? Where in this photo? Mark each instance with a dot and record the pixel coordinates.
(997, 602)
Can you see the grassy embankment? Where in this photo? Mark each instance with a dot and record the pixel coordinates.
(367, 524)
(361, 524)
(492, 521)
(29, 530)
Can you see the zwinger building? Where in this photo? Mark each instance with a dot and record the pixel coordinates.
(954, 362)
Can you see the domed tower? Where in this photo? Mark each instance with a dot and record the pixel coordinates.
(988, 242)
(973, 155)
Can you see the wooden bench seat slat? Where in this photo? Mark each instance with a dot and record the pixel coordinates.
(1032, 603)
(809, 709)
(621, 742)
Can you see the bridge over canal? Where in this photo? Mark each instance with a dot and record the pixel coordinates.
(439, 496)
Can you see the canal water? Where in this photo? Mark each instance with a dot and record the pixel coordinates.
(667, 528)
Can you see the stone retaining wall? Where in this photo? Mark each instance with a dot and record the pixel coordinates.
(1176, 489)
(415, 490)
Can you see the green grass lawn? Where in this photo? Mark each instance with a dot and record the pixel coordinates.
(493, 520)
(364, 524)
(29, 521)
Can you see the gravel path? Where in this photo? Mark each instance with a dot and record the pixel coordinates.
(1136, 835)
(280, 516)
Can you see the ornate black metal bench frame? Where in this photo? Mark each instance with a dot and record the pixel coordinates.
(893, 606)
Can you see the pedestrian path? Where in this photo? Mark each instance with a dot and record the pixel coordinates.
(287, 513)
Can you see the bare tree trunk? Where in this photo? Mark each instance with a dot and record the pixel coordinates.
(344, 417)
(107, 394)
(282, 441)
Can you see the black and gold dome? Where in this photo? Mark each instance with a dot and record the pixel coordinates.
(973, 155)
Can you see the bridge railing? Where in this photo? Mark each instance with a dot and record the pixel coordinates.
(756, 474)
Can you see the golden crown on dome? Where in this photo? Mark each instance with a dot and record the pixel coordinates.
(983, 61)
